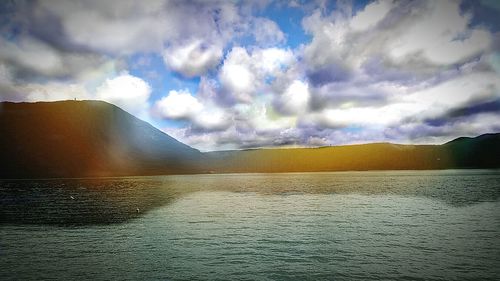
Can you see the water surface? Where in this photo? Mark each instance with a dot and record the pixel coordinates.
(432, 225)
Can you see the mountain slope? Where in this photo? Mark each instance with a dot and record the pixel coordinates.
(479, 152)
(85, 138)
(94, 138)
(375, 156)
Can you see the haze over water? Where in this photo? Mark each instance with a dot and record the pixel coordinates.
(433, 225)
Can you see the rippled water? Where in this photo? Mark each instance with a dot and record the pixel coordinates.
(428, 225)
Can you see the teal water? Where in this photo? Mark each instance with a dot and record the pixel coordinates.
(395, 225)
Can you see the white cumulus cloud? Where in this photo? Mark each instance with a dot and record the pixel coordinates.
(126, 91)
(267, 32)
(181, 105)
(441, 35)
(178, 105)
(295, 99)
(372, 14)
(236, 76)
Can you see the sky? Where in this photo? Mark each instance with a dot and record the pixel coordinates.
(221, 75)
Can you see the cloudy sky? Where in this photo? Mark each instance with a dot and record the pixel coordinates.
(237, 74)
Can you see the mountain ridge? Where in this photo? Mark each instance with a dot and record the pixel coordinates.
(85, 138)
(95, 138)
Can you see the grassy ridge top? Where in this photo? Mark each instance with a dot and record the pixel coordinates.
(479, 152)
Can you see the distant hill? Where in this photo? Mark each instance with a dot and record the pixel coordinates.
(479, 152)
(94, 138)
(375, 156)
(85, 138)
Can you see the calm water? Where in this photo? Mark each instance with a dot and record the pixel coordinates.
(439, 225)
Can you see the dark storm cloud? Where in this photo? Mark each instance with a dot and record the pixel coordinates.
(26, 18)
(424, 133)
(35, 48)
(454, 114)
(491, 106)
(338, 94)
(485, 13)
(327, 74)
(379, 70)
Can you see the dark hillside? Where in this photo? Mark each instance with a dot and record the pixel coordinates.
(84, 138)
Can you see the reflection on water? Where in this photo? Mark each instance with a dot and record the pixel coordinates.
(117, 200)
(81, 201)
(429, 225)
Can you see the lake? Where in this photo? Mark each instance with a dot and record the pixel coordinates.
(399, 225)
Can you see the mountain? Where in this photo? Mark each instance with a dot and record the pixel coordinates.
(374, 156)
(479, 152)
(85, 138)
(95, 138)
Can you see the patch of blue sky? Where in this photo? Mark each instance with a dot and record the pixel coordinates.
(289, 19)
(353, 129)
(152, 69)
(269, 79)
(484, 13)
(360, 5)
(245, 41)
(167, 123)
